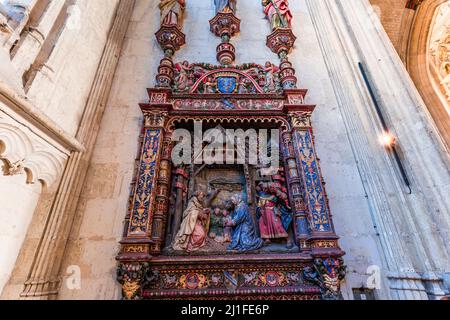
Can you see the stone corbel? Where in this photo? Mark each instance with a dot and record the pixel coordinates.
(327, 274)
(131, 277)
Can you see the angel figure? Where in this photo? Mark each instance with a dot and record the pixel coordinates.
(182, 76)
(270, 71)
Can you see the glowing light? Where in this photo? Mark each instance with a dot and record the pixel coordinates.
(387, 140)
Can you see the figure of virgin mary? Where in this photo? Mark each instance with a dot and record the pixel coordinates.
(244, 230)
(225, 5)
(172, 12)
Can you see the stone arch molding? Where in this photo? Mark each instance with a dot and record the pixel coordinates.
(25, 153)
(417, 63)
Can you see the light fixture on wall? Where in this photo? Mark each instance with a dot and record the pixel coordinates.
(387, 139)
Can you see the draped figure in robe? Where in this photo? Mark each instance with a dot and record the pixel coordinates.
(244, 236)
(278, 13)
(172, 12)
(225, 5)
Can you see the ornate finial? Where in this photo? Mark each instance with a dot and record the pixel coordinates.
(225, 25)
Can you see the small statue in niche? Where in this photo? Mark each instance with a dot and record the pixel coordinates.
(245, 86)
(225, 6)
(278, 13)
(172, 12)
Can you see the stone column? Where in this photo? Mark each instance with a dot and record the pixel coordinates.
(44, 278)
(322, 235)
(35, 36)
(413, 228)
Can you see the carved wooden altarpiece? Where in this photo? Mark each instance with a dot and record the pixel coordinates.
(227, 96)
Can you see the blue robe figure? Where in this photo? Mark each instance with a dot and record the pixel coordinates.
(244, 233)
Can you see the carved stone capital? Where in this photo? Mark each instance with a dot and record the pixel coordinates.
(154, 119)
(301, 120)
(24, 153)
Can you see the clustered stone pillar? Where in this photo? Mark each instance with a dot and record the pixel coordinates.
(44, 277)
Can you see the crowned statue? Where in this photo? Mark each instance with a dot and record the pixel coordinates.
(172, 12)
(225, 6)
(278, 13)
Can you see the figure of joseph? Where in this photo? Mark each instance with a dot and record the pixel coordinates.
(172, 12)
(194, 228)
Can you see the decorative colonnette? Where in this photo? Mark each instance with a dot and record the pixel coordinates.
(144, 271)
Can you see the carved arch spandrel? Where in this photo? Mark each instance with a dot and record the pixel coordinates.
(25, 154)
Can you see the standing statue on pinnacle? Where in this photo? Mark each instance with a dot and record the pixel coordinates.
(225, 6)
(172, 12)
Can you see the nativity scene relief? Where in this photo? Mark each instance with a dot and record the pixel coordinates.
(228, 201)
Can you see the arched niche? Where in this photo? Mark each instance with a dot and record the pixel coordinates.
(417, 62)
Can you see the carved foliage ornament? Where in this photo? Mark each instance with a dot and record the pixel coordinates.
(248, 78)
(301, 120)
(131, 276)
(327, 274)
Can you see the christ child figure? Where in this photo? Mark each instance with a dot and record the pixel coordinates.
(227, 230)
(216, 229)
